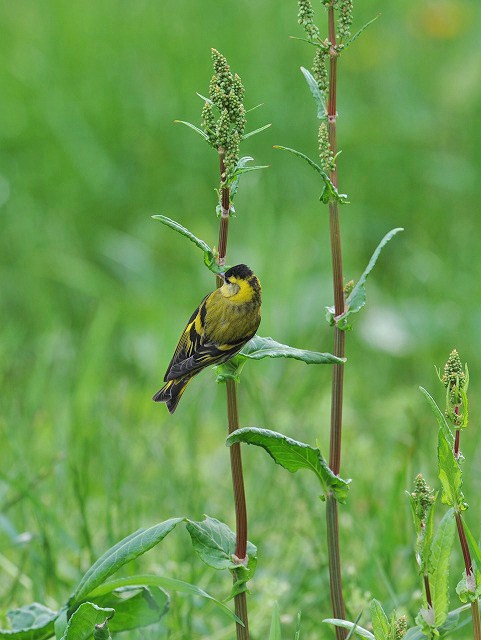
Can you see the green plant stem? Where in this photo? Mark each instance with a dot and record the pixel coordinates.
(240, 600)
(335, 574)
(469, 572)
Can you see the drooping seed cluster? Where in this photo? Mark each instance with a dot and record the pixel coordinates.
(328, 161)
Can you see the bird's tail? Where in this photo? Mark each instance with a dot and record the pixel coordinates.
(172, 392)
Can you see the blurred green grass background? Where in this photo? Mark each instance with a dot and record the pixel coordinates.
(94, 293)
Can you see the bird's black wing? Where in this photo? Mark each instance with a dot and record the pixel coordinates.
(206, 355)
(189, 342)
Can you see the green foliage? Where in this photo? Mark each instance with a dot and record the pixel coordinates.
(469, 587)
(123, 552)
(329, 191)
(275, 630)
(450, 475)
(440, 417)
(317, 94)
(293, 455)
(82, 623)
(102, 631)
(352, 626)
(32, 622)
(439, 567)
(380, 622)
(209, 255)
(259, 348)
(135, 606)
(215, 543)
(357, 298)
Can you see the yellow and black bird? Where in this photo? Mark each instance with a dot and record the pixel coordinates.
(224, 321)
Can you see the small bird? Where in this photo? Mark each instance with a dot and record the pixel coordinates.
(224, 321)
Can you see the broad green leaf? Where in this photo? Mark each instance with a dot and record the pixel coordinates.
(215, 543)
(135, 606)
(166, 583)
(293, 455)
(380, 623)
(275, 630)
(352, 626)
(329, 192)
(440, 417)
(450, 475)
(255, 132)
(209, 257)
(123, 552)
(82, 623)
(32, 622)
(318, 95)
(357, 298)
(258, 348)
(439, 567)
(194, 128)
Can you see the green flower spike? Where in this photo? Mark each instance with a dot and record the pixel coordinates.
(345, 19)
(319, 68)
(328, 162)
(456, 381)
(305, 18)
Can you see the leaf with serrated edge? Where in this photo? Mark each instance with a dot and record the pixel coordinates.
(259, 347)
(293, 455)
(123, 552)
(345, 624)
(82, 623)
(316, 92)
(439, 567)
(380, 623)
(171, 584)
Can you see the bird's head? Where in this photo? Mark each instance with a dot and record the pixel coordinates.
(240, 284)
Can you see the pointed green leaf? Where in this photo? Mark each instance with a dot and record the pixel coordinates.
(194, 128)
(469, 589)
(357, 297)
(82, 623)
(440, 417)
(215, 543)
(476, 551)
(358, 33)
(123, 552)
(439, 567)
(209, 257)
(275, 630)
(171, 584)
(329, 192)
(259, 348)
(31, 622)
(318, 95)
(293, 455)
(427, 539)
(255, 132)
(135, 606)
(352, 626)
(450, 475)
(380, 623)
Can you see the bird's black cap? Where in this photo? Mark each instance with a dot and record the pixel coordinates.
(239, 271)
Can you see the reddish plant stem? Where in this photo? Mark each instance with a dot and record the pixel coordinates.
(427, 589)
(469, 572)
(335, 574)
(240, 600)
